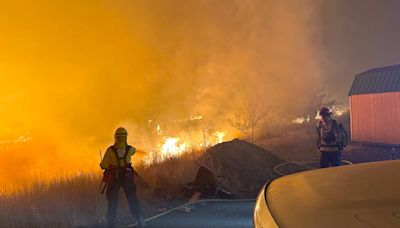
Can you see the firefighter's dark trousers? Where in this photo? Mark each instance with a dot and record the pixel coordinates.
(113, 197)
(330, 158)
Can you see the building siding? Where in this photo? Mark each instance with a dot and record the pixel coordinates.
(375, 118)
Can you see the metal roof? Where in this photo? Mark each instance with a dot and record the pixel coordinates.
(377, 80)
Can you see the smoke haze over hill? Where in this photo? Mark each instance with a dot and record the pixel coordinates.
(72, 71)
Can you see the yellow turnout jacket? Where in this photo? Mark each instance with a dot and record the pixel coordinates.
(110, 157)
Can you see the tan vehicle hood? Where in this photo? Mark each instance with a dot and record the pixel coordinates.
(360, 195)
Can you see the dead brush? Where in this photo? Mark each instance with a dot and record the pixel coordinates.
(69, 201)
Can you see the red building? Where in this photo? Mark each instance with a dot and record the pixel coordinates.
(375, 106)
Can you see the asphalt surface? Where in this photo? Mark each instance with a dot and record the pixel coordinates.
(209, 214)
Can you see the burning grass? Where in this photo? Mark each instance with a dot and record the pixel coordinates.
(69, 201)
(76, 201)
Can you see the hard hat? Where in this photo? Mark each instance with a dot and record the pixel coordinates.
(324, 111)
(121, 131)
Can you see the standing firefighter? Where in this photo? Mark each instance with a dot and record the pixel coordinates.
(330, 140)
(119, 173)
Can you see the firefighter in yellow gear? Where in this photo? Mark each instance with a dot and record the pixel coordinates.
(120, 173)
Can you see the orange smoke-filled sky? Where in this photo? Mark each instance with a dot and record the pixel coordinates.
(72, 71)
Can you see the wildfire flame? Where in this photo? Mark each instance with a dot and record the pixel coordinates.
(300, 120)
(172, 148)
(337, 110)
(220, 136)
(179, 144)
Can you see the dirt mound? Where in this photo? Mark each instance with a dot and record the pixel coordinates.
(241, 167)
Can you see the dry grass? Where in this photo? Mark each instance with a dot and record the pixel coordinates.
(76, 201)
(172, 173)
(65, 202)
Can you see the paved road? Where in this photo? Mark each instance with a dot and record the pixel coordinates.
(210, 214)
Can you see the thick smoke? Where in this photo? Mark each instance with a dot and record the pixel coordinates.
(72, 71)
